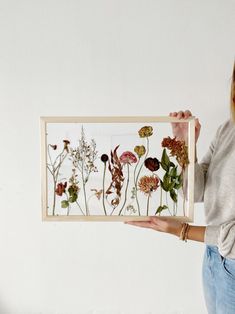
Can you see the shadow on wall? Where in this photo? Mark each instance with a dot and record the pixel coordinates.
(3, 309)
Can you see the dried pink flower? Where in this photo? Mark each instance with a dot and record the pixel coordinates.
(128, 158)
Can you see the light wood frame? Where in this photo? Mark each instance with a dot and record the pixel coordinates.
(189, 217)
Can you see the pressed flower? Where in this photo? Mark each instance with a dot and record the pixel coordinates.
(83, 159)
(98, 193)
(130, 208)
(178, 149)
(128, 158)
(152, 164)
(73, 189)
(145, 131)
(140, 150)
(104, 158)
(53, 146)
(148, 184)
(61, 188)
(66, 143)
(115, 168)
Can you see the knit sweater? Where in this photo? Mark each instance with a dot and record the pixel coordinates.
(215, 186)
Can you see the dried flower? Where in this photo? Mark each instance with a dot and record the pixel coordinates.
(66, 143)
(148, 184)
(73, 188)
(145, 131)
(128, 158)
(53, 146)
(61, 188)
(140, 150)
(84, 156)
(178, 149)
(116, 184)
(104, 158)
(131, 209)
(98, 193)
(152, 164)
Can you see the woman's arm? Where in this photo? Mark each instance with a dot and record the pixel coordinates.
(171, 226)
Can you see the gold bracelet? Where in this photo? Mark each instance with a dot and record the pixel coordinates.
(184, 232)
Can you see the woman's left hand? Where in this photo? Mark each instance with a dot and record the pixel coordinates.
(162, 224)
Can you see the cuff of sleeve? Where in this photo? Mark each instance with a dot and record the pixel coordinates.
(212, 235)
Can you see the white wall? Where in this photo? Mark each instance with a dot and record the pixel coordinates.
(106, 57)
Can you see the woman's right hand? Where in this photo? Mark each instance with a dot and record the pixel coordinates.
(180, 130)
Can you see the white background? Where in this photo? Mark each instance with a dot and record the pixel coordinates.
(102, 57)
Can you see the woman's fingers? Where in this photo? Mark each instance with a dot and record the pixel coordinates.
(198, 124)
(181, 114)
(158, 224)
(144, 224)
(187, 114)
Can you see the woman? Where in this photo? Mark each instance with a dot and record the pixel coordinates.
(215, 185)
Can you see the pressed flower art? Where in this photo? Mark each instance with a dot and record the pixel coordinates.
(97, 169)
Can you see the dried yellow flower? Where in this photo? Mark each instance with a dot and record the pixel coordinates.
(145, 131)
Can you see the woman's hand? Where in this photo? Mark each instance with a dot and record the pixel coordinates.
(180, 130)
(162, 224)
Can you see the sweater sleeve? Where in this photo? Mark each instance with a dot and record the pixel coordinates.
(223, 236)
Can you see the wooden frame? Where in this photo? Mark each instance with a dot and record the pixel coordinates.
(110, 121)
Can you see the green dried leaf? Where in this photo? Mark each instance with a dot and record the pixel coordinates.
(165, 161)
(160, 209)
(173, 195)
(73, 198)
(165, 183)
(173, 172)
(64, 204)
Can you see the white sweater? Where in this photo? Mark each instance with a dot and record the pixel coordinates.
(215, 185)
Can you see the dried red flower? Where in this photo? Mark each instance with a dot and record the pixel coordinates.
(104, 158)
(61, 188)
(152, 164)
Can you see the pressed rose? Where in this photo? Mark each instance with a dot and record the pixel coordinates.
(145, 131)
(148, 184)
(66, 143)
(61, 188)
(152, 164)
(104, 158)
(128, 158)
(140, 150)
